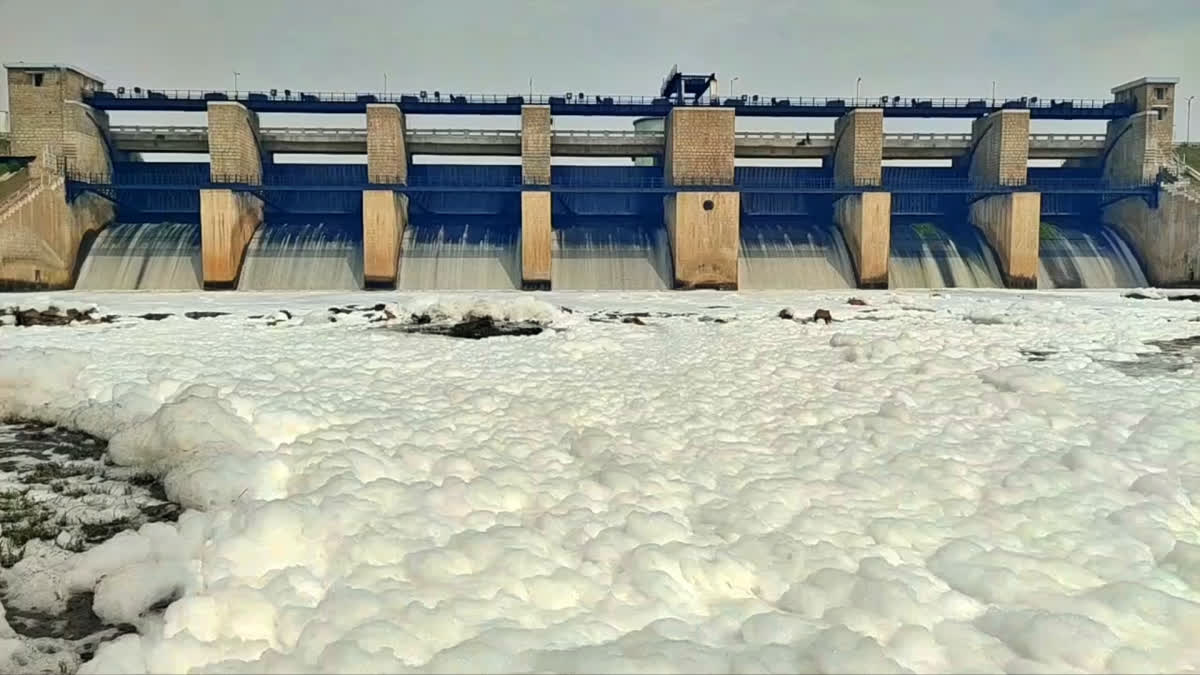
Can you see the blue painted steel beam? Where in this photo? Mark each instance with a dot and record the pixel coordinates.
(625, 106)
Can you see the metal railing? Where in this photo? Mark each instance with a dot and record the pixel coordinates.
(786, 136)
(574, 98)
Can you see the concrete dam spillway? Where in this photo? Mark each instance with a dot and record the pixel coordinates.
(680, 205)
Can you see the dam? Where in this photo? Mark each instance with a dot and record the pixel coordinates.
(682, 202)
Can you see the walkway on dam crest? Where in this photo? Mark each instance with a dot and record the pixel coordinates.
(585, 142)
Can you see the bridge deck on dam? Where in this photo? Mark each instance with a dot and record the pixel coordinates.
(586, 143)
(600, 105)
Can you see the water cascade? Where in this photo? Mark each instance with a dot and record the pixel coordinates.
(143, 256)
(303, 257)
(1074, 255)
(928, 254)
(785, 252)
(611, 257)
(455, 255)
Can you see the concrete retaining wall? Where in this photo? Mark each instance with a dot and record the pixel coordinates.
(1012, 225)
(40, 234)
(866, 222)
(228, 220)
(1167, 239)
(535, 240)
(385, 217)
(705, 233)
(233, 147)
(387, 153)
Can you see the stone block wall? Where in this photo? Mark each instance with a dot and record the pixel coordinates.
(85, 144)
(1012, 225)
(535, 144)
(866, 223)
(385, 217)
(1134, 155)
(705, 233)
(1001, 148)
(535, 240)
(387, 151)
(1144, 98)
(228, 220)
(699, 146)
(233, 147)
(35, 100)
(858, 157)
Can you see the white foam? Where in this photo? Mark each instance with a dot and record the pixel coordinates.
(904, 492)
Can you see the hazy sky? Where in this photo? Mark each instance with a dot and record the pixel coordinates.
(1051, 48)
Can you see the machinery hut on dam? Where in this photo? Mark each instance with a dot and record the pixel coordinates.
(83, 204)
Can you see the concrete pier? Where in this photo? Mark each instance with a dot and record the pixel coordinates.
(228, 220)
(385, 217)
(535, 240)
(1011, 222)
(387, 153)
(536, 225)
(233, 148)
(385, 212)
(704, 227)
(865, 218)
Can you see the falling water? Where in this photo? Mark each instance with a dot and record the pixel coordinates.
(152, 256)
(611, 258)
(940, 255)
(302, 257)
(1072, 255)
(459, 256)
(793, 254)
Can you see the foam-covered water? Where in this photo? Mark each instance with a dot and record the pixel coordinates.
(784, 254)
(941, 255)
(951, 482)
(143, 256)
(611, 258)
(1082, 256)
(303, 257)
(460, 256)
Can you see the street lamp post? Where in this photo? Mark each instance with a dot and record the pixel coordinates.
(857, 89)
(731, 81)
(993, 93)
(1188, 142)
(235, 83)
